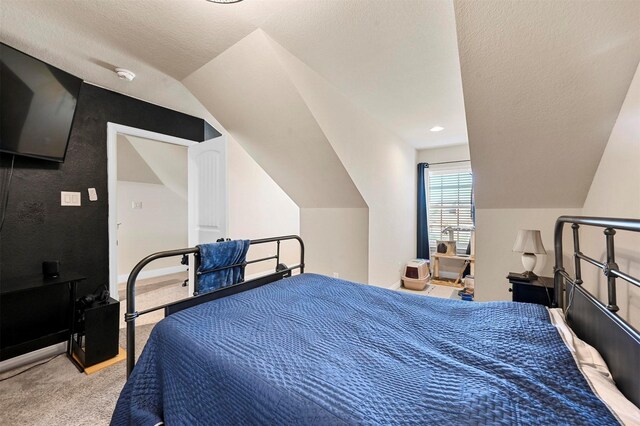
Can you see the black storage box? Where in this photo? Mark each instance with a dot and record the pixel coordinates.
(96, 340)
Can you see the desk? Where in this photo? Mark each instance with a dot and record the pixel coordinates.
(29, 315)
(436, 279)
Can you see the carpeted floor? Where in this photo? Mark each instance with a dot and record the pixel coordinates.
(154, 292)
(57, 394)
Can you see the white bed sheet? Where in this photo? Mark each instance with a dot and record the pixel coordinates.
(596, 372)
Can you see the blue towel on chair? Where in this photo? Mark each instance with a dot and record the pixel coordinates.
(217, 255)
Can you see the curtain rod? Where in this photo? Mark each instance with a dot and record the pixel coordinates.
(448, 162)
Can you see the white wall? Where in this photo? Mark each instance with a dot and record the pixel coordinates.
(345, 255)
(448, 153)
(161, 224)
(496, 231)
(615, 192)
(259, 208)
(381, 165)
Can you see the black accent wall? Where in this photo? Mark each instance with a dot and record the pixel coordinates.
(37, 228)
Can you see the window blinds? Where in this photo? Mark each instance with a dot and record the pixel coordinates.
(449, 203)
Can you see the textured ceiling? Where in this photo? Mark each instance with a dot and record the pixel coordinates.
(261, 108)
(176, 37)
(395, 59)
(543, 85)
(90, 38)
(543, 80)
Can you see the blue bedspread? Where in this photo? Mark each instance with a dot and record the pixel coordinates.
(316, 350)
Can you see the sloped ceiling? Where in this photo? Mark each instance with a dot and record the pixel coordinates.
(543, 84)
(395, 59)
(167, 161)
(131, 166)
(148, 161)
(543, 80)
(257, 103)
(68, 35)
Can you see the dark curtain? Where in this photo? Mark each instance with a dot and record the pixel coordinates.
(467, 271)
(473, 203)
(423, 225)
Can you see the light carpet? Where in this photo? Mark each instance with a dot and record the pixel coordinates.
(57, 394)
(152, 292)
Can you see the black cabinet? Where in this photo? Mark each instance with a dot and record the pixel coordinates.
(96, 333)
(538, 291)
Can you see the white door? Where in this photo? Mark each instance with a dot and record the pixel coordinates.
(208, 205)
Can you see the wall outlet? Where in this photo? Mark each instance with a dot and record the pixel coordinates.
(70, 198)
(336, 275)
(136, 205)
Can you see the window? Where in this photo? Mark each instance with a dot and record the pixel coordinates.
(449, 204)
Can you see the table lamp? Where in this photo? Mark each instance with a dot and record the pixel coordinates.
(529, 243)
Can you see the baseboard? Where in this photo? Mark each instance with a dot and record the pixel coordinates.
(32, 357)
(396, 285)
(154, 273)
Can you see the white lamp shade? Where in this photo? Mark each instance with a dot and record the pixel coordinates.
(529, 241)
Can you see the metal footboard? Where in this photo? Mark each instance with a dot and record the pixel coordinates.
(281, 271)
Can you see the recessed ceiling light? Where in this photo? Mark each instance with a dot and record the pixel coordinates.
(436, 129)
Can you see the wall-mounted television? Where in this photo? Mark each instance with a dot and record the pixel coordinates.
(37, 105)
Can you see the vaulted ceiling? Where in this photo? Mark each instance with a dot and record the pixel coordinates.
(543, 81)
(543, 85)
(398, 60)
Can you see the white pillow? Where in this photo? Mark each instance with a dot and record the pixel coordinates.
(596, 372)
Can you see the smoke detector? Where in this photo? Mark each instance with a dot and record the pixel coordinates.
(124, 74)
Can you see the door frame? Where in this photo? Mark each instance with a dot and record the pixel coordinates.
(112, 183)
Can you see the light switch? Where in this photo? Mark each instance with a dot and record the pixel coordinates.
(136, 205)
(93, 195)
(70, 198)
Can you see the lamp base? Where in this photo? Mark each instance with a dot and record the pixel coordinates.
(529, 261)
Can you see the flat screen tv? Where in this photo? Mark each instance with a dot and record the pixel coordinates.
(37, 105)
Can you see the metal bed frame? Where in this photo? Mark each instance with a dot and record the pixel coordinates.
(591, 320)
(281, 271)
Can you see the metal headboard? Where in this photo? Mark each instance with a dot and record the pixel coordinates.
(281, 271)
(593, 321)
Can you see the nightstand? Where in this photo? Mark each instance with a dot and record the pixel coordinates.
(538, 291)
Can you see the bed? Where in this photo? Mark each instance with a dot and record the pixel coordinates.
(309, 349)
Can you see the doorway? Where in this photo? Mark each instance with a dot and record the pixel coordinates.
(164, 193)
(152, 216)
